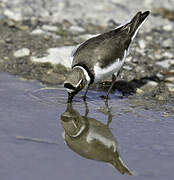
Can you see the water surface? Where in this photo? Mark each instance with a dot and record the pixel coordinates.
(31, 140)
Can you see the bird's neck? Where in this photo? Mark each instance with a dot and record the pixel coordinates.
(85, 72)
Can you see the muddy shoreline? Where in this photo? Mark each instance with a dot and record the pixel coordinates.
(145, 72)
(35, 47)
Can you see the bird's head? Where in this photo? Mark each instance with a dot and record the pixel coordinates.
(75, 82)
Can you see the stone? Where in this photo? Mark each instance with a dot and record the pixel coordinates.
(12, 15)
(76, 29)
(139, 91)
(22, 52)
(168, 55)
(171, 90)
(169, 84)
(152, 83)
(142, 43)
(170, 79)
(168, 27)
(59, 55)
(167, 43)
(165, 64)
(50, 28)
(127, 67)
(23, 27)
(149, 86)
(37, 32)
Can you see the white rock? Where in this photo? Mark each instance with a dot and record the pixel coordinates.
(50, 28)
(127, 67)
(22, 52)
(167, 43)
(76, 29)
(12, 15)
(168, 55)
(172, 62)
(152, 83)
(165, 64)
(169, 79)
(171, 90)
(157, 55)
(37, 32)
(59, 55)
(170, 85)
(128, 59)
(139, 91)
(142, 44)
(168, 27)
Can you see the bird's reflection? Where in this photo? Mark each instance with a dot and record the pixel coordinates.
(91, 139)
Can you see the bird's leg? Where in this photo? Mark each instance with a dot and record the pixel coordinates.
(86, 109)
(84, 97)
(110, 88)
(114, 77)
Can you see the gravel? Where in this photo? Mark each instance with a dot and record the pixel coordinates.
(37, 38)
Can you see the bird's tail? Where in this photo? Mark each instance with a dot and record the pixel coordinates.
(134, 25)
(121, 166)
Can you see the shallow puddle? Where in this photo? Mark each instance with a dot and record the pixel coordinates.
(33, 119)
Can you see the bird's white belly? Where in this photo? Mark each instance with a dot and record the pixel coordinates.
(101, 73)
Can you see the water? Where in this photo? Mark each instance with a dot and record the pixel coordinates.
(32, 147)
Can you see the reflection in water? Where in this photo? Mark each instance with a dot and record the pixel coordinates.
(91, 139)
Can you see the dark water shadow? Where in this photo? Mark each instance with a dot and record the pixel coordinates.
(128, 87)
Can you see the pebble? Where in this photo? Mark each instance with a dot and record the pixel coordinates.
(23, 27)
(169, 84)
(59, 55)
(167, 43)
(139, 69)
(149, 86)
(128, 59)
(160, 98)
(152, 83)
(160, 76)
(170, 79)
(172, 62)
(6, 58)
(139, 91)
(165, 64)
(157, 55)
(168, 27)
(142, 43)
(171, 90)
(127, 68)
(76, 29)
(22, 52)
(168, 55)
(8, 40)
(37, 32)
(12, 15)
(50, 28)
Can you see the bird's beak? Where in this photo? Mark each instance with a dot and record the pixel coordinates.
(70, 97)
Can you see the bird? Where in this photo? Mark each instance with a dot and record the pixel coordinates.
(101, 56)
